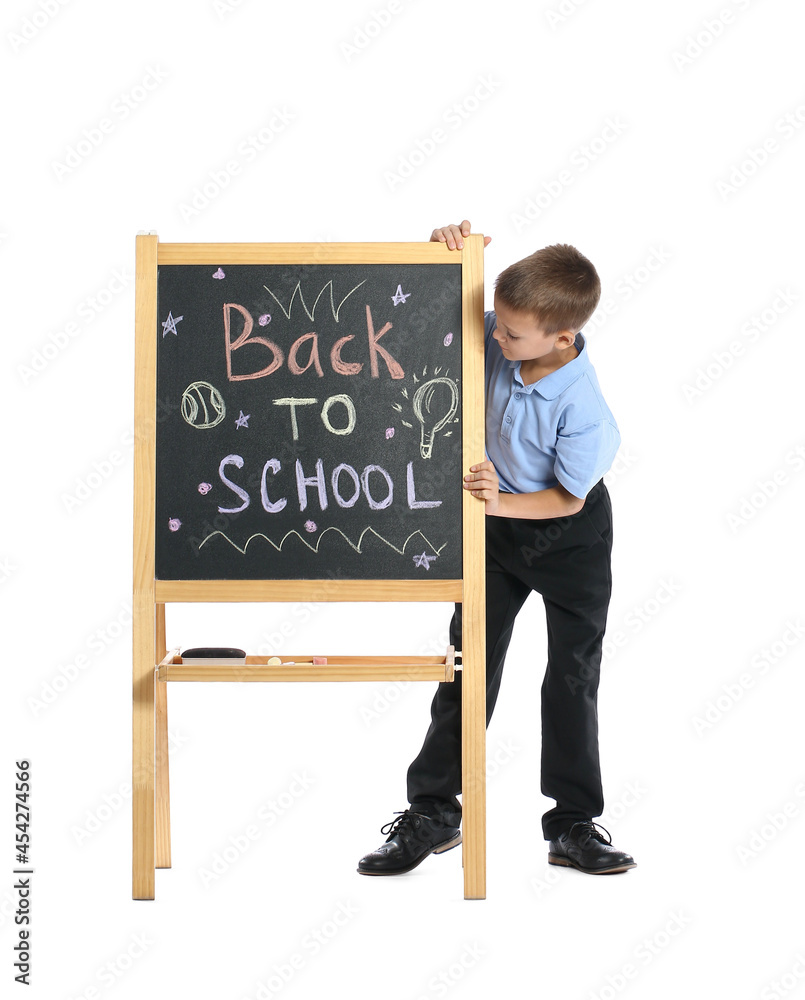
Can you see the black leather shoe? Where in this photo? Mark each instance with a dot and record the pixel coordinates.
(411, 838)
(583, 847)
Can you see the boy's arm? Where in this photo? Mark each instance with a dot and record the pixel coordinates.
(482, 482)
(554, 502)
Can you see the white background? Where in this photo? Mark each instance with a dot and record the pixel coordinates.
(695, 229)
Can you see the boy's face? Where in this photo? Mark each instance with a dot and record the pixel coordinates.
(521, 338)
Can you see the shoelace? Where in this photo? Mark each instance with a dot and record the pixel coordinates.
(404, 819)
(590, 829)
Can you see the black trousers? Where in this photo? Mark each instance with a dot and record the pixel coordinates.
(567, 561)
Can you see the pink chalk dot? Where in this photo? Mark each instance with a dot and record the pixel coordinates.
(174, 524)
(204, 488)
(219, 274)
(389, 432)
(448, 340)
(264, 319)
(310, 525)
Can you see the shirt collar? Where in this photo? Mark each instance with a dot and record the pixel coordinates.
(551, 386)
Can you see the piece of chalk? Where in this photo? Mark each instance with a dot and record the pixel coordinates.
(319, 661)
(274, 661)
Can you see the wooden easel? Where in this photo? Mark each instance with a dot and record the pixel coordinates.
(154, 666)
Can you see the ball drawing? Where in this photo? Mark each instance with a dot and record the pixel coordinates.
(202, 405)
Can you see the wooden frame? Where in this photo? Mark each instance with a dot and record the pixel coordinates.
(154, 666)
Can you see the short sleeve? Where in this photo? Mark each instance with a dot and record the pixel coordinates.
(584, 455)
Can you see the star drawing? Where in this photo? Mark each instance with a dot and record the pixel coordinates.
(424, 560)
(169, 325)
(242, 421)
(399, 296)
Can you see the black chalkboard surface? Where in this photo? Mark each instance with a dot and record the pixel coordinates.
(308, 422)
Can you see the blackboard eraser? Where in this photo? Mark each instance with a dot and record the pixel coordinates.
(200, 655)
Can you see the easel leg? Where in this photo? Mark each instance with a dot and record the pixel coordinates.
(473, 647)
(473, 753)
(142, 782)
(162, 776)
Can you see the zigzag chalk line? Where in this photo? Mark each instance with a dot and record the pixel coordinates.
(315, 548)
(298, 291)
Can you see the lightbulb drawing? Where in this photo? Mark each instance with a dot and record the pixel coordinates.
(434, 407)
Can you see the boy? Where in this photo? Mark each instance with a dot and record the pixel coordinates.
(550, 438)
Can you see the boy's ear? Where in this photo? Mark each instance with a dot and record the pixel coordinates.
(565, 338)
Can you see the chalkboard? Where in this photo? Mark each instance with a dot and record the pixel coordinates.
(308, 422)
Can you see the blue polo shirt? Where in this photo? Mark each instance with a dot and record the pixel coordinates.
(555, 430)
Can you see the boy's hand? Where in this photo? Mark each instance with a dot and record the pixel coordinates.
(453, 236)
(483, 483)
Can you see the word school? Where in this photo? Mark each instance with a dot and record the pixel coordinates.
(378, 496)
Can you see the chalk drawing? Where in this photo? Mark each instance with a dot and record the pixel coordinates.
(399, 296)
(434, 407)
(315, 548)
(195, 408)
(310, 312)
(169, 325)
